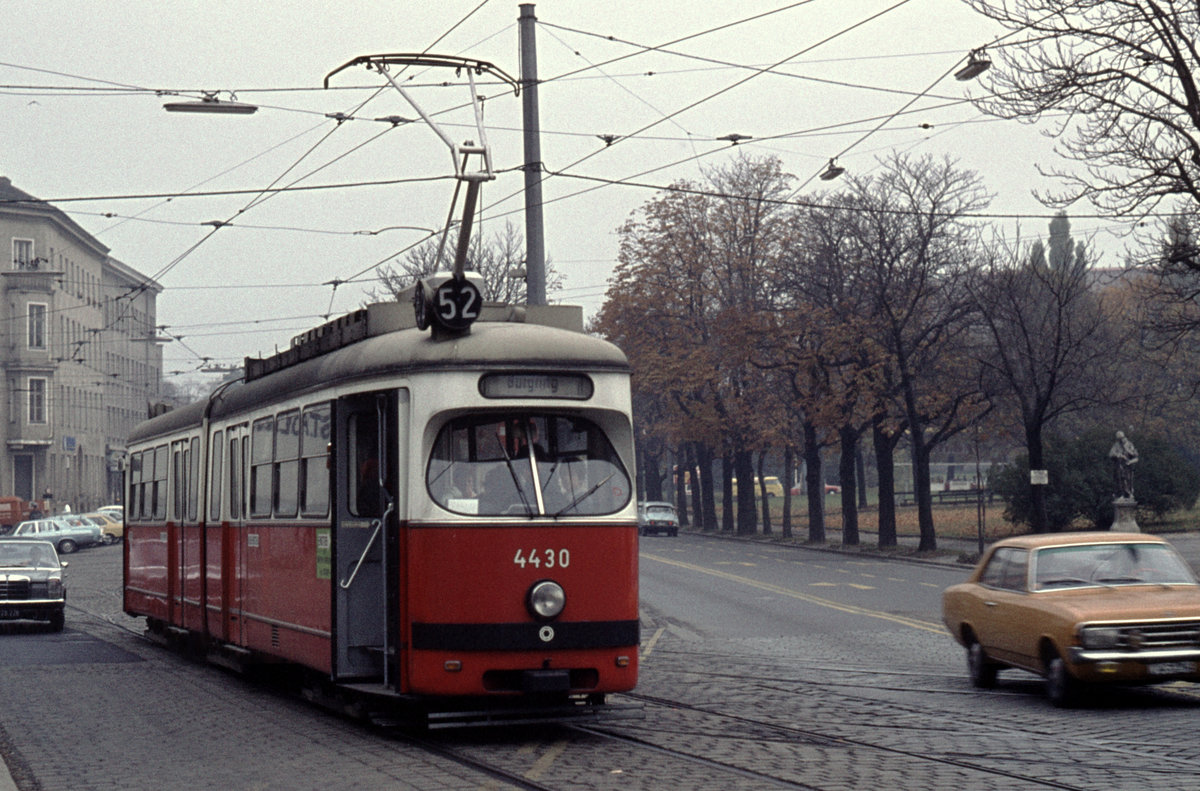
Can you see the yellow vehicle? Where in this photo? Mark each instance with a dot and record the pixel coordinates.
(112, 527)
(774, 487)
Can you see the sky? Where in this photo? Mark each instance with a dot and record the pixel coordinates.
(179, 197)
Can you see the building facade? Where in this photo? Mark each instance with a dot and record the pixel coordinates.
(80, 357)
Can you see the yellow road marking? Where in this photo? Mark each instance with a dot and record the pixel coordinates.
(542, 764)
(653, 641)
(794, 594)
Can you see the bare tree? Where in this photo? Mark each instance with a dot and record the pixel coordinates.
(500, 260)
(1048, 346)
(1117, 79)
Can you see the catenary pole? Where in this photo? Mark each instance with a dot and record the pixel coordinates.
(535, 255)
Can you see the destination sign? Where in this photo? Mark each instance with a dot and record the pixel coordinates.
(577, 387)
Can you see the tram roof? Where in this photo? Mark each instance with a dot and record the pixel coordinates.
(510, 342)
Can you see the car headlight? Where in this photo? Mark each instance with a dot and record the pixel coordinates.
(546, 599)
(54, 588)
(1100, 637)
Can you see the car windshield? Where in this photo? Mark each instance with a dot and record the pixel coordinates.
(1127, 563)
(25, 554)
(526, 464)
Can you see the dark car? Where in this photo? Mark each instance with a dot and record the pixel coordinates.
(31, 582)
(657, 517)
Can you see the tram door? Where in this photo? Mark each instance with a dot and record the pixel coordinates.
(371, 434)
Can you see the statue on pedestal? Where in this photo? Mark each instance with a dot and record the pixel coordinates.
(1123, 456)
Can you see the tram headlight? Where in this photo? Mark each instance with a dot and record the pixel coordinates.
(546, 600)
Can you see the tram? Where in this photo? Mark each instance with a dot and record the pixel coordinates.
(434, 517)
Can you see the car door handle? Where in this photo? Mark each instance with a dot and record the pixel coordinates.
(991, 603)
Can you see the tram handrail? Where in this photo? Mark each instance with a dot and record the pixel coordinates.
(370, 543)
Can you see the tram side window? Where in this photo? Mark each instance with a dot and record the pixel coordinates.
(179, 480)
(158, 490)
(261, 470)
(314, 461)
(526, 464)
(214, 500)
(194, 480)
(136, 488)
(287, 463)
(235, 478)
(365, 492)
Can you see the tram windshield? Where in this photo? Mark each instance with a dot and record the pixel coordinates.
(526, 464)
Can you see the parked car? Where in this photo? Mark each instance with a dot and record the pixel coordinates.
(31, 582)
(112, 526)
(67, 533)
(830, 488)
(1079, 609)
(117, 510)
(657, 517)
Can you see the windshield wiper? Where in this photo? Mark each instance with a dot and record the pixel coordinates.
(580, 498)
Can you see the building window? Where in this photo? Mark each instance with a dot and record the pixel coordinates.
(23, 254)
(37, 325)
(37, 400)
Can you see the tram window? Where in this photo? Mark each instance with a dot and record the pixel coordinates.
(136, 487)
(158, 490)
(363, 484)
(235, 479)
(529, 464)
(214, 500)
(193, 480)
(261, 451)
(179, 480)
(287, 463)
(314, 461)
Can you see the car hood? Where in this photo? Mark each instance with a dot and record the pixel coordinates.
(1125, 602)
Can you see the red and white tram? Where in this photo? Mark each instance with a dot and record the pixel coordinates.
(441, 519)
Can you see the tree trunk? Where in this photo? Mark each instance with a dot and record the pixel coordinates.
(814, 484)
(923, 493)
(682, 473)
(849, 445)
(708, 501)
(747, 517)
(727, 476)
(860, 466)
(885, 448)
(766, 497)
(651, 477)
(789, 469)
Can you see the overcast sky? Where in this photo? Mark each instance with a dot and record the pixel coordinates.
(80, 118)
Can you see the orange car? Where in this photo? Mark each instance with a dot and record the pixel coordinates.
(1078, 609)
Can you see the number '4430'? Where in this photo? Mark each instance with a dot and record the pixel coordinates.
(543, 558)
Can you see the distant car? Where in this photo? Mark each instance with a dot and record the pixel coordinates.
(31, 582)
(117, 510)
(657, 517)
(1079, 609)
(112, 526)
(67, 533)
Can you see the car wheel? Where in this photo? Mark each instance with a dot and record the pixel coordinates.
(66, 546)
(58, 620)
(108, 538)
(1061, 687)
(982, 672)
(674, 532)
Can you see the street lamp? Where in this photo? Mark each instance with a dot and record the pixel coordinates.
(833, 171)
(977, 64)
(211, 104)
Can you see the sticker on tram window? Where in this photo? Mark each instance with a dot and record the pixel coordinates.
(543, 558)
(577, 387)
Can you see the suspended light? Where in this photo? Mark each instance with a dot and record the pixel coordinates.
(833, 171)
(977, 64)
(211, 104)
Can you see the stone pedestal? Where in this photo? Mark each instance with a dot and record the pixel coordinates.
(1126, 516)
